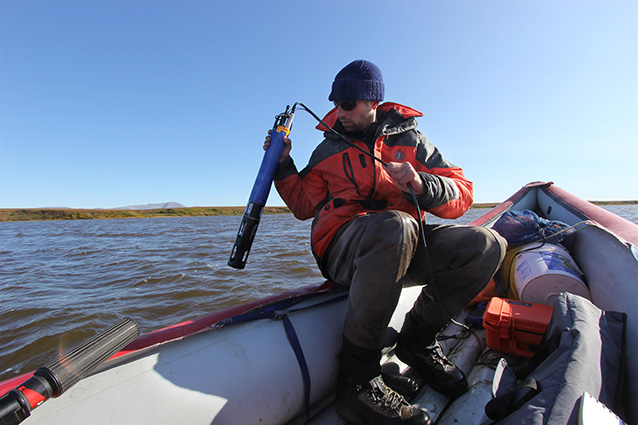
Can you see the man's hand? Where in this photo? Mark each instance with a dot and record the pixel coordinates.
(287, 147)
(403, 173)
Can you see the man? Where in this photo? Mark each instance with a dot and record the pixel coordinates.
(365, 235)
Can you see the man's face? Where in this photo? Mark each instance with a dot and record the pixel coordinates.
(359, 118)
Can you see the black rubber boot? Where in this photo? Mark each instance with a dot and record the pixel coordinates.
(404, 385)
(358, 362)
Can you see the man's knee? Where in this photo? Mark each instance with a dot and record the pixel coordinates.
(392, 228)
(492, 245)
(397, 220)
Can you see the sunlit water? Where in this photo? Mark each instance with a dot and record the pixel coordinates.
(64, 281)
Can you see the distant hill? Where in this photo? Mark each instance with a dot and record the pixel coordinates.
(153, 206)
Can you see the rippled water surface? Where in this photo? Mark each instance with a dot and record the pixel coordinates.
(75, 278)
(63, 281)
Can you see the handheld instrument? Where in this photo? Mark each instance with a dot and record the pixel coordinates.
(261, 189)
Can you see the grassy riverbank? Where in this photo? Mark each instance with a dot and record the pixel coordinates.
(31, 214)
(36, 214)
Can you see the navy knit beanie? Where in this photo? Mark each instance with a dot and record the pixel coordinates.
(359, 80)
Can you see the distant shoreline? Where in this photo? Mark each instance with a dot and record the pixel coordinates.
(43, 214)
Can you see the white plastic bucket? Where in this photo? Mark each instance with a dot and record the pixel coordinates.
(542, 273)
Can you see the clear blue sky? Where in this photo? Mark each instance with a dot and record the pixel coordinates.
(114, 103)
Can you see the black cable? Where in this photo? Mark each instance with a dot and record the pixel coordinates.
(431, 266)
(341, 136)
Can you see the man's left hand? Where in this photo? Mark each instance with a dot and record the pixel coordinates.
(403, 173)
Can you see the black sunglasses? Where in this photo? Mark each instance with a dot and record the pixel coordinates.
(346, 105)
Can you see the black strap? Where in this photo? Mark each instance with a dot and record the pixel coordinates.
(279, 310)
(301, 359)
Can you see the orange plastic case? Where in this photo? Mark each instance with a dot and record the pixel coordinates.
(515, 327)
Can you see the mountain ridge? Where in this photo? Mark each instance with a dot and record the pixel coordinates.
(157, 206)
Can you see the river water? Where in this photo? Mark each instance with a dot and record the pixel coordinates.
(62, 282)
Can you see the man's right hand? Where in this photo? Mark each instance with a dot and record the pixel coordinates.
(287, 147)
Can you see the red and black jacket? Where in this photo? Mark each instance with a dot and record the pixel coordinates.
(340, 182)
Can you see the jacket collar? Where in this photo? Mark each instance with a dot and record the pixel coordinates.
(394, 118)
